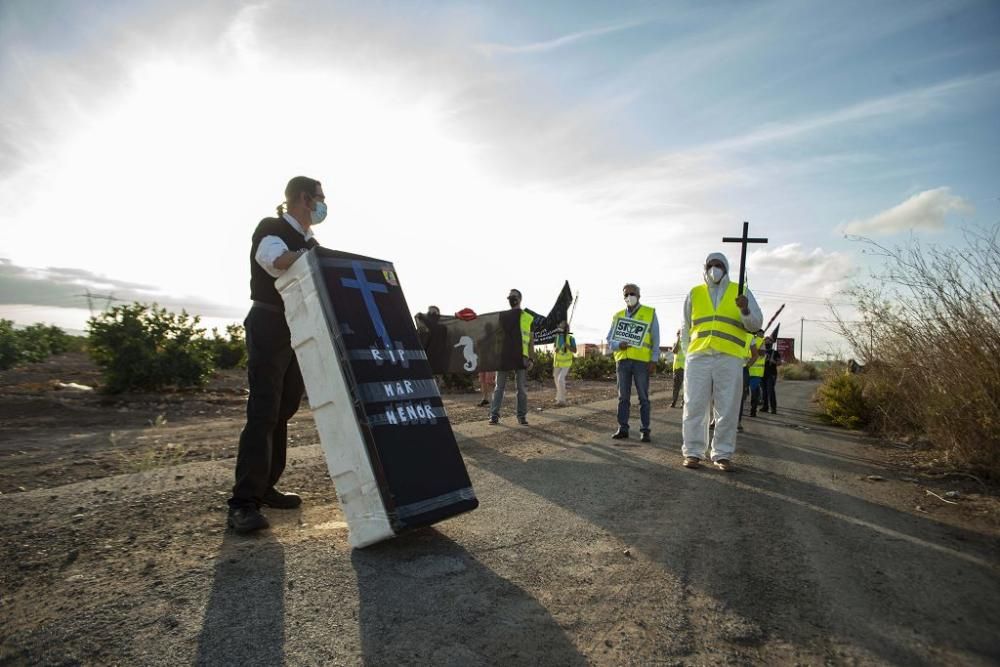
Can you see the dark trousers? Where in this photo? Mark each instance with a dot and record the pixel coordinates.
(770, 399)
(746, 390)
(678, 387)
(751, 387)
(276, 390)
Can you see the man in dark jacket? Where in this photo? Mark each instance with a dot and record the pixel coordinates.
(276, 385)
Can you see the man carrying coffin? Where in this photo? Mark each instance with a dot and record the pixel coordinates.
(635, 339)
(276, 385)
(716, 321)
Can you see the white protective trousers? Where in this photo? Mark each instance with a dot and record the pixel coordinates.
(559, 374)
(712, 378)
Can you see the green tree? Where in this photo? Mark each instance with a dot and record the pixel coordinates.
(229, 351)
(145, 347)
(10, 345)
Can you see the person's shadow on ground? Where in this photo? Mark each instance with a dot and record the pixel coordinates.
(426, 600)
(244, 620)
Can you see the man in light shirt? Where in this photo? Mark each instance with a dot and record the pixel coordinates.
(276, 385)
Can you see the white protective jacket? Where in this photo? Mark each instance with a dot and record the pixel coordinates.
(751, 322)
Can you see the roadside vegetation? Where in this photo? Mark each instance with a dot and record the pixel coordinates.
(800, 370)
(142, 347)
(33, 343)
(928, 338)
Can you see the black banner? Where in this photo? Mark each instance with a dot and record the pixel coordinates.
(545, 334)
(490, 342)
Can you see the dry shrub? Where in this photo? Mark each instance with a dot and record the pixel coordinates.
(930, 339)
(798, 371)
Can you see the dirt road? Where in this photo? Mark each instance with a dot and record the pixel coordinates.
(816, 551)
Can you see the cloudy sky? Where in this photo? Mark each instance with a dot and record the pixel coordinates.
(483, 146)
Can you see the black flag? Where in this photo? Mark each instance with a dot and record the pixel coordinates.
(546, 333)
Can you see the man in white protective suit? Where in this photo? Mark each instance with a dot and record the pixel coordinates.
(716, 322)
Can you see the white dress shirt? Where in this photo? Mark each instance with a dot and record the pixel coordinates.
(272, 247)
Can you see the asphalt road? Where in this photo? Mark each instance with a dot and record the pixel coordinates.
(584, 551)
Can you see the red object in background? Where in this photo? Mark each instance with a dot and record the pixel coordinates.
(466, 314)
(786, 348)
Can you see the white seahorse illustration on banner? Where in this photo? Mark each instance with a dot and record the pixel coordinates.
(471, 358)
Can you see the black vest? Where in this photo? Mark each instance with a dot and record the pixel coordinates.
(261, 283)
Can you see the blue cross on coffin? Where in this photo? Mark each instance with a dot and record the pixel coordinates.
(368, 290)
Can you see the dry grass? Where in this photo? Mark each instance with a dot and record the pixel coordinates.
(930, 339)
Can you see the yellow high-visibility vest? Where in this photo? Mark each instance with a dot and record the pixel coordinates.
(757, 367)
(564, 358)
(645, 351)
(716, 329)
(526, 320)
(678, 359)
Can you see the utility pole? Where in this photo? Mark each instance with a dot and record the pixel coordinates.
(802, 342)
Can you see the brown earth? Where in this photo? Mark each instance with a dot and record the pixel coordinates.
(51, 436)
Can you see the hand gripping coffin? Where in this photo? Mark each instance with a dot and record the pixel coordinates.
(382, 425)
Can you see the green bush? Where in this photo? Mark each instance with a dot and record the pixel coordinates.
(842, 399)
(229, 351)
(541, 369)
(595, 367)
(798, 371)
(457, 382)
(39, 341)
(10, 345)
(143, 347)
(34, 343)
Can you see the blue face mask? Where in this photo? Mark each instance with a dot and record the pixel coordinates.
(318, 215)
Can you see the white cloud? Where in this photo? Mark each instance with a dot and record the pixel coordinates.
(910, 104)
(790, 268)
(924, 210)
(558, 42)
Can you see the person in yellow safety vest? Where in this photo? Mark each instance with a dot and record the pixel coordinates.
(751, 382)
(756, 370)
(716, 322)
(678, 369)
(527, 323)
(562, 360)
(634, 362)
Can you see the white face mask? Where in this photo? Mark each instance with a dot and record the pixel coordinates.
(714, 275)
(630, 301)
(318, 214)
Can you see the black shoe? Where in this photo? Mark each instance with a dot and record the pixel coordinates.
(753, 413)
(483, 403)
(523, 421)
(620, 434)
(246, 519)
(494, 420)
(739, 428)
(281, 501)
(645, 437)
(774, 411)
(673, 405)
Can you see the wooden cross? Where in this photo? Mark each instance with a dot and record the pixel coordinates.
(743, 241)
